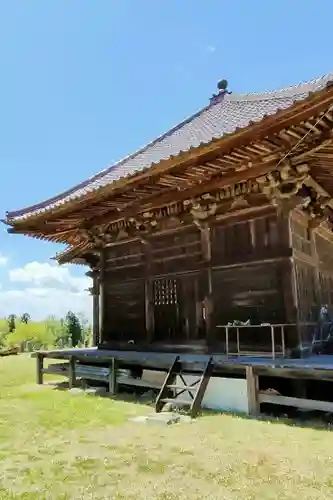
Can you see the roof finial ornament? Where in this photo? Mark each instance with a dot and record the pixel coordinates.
(222, 91)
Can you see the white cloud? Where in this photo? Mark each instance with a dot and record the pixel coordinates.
(210, 49)
(42, 274)
(40, 303)
(47, 289)
(3, 260)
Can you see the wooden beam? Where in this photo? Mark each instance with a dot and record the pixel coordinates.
(206, 247)
(102, 295)
(39, 367)
(252, 391)
(71, 372)
(316, 262)
(302, 373)
(286, 266)
(149, 305)
(173, 195)
(95, 298)
(305, 404)
(256, 169)
(113, 377)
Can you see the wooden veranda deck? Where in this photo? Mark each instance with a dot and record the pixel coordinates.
(251, 368)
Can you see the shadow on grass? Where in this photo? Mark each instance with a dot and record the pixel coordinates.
(291, 418)
(143, 397)
(281, 416)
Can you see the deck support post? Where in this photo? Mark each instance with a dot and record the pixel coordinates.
(71, 372)
(252, 391)
(40, 368)
(113, 377)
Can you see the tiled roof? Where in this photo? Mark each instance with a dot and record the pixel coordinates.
(220, 118)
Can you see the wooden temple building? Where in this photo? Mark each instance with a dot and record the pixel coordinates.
(213, 239)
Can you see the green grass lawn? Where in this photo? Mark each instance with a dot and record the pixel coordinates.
(57, 445)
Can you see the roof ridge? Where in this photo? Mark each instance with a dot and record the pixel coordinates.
(287, 91)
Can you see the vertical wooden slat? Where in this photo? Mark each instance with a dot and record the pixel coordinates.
(288, 279)
(198, 307)
(96, 319)
(71, 372)
(253, 235)
(102, 296)
(252, 391)
(285, 241)
(315, 258)
(39, 368)
(149, 300)
(113, 377)
(186, 305)
(208, 300)
(95, 298)
(283, 341)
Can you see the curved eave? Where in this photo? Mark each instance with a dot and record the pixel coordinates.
(224, 144)
(65, 237)
(81, 254)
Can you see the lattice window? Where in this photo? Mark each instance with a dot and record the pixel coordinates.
(165, 292)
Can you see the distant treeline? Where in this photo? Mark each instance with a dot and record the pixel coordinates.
(71, 331)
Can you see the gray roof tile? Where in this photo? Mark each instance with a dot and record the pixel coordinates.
(214, 121)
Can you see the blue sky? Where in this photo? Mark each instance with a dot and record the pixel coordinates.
(84, 83)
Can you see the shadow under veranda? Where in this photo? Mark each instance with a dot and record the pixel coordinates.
(144, 396)
(273, 414)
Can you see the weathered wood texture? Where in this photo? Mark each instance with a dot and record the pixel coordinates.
(313, 271)
(252, 381)
(125, 311)
(39, 368)
(179, 285)
(324, 248)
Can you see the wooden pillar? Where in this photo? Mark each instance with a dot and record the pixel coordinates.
(314, 254)
(288, 276)
(149, 299)
(252, 391)
(71, 372)
(286, 268)
(198, 307)
(113, 377)
(96, 339)
(208, 297)
(94, 292)
(102, 296)
(39, 368)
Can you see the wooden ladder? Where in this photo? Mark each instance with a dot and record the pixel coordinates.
(171, 391)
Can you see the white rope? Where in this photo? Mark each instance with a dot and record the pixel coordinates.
(304, 137)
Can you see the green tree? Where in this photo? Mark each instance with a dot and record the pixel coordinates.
(73, 328)
(85, 327)
(35, 333)
(11, 323)
(25, 318)
(88, 337)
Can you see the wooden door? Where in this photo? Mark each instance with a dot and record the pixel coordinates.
(176, 309)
